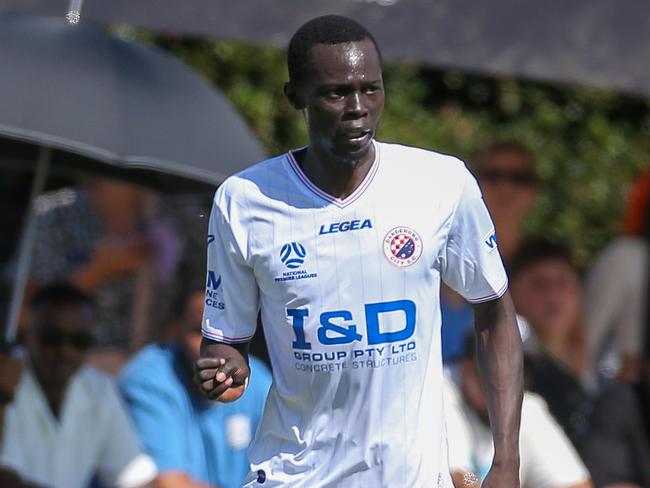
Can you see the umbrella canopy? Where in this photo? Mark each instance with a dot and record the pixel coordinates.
(593, 42)
(80, 90)
(91, 102)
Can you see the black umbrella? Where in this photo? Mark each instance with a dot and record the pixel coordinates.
(79, 89)
(96, 103)
(593, 42)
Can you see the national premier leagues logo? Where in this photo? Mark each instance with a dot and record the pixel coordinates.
(293, 255)
(402, 246)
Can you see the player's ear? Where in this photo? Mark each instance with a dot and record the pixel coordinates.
(293, 96)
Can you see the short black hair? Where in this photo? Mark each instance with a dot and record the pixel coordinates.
(535, 250)
(59, 293)
(328, 29)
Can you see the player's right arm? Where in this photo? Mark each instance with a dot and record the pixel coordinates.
(231, 299)
(222, 371)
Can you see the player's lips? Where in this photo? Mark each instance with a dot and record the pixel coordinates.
(356, 135)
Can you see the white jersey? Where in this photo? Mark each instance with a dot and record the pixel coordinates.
(349, 296)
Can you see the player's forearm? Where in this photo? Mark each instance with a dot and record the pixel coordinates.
(501, 363)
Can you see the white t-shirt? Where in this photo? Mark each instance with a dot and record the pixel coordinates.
(547, 457)
(93, 435)
(348, 291)
(615, 296)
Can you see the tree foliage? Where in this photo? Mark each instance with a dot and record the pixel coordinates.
(589, 143)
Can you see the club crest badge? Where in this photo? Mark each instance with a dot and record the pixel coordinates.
(402, 246)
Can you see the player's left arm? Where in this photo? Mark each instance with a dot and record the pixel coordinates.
(500, 360)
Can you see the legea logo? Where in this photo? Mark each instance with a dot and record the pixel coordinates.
(293, 255)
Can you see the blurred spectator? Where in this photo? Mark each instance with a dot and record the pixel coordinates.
(617, 300)
(507, 177)
(109, 239)
(548, 458)
(605, 422)
(65, 422)
(195, 443)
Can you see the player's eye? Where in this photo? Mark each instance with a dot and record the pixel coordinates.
(371, 89)
(334, 94)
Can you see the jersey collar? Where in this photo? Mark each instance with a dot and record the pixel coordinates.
(339, 202)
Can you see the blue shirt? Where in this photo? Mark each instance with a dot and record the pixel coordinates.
(457, 321)
(181, 430)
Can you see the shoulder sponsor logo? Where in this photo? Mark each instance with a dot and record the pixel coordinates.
(214, 281)
(213, 295)
(402, 246)
(490, 240)
(345, 226)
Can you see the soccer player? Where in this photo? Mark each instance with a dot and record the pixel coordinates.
(342, 246)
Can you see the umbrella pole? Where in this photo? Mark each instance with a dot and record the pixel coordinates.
(26, 244)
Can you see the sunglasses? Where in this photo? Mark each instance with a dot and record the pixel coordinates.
(51, 337)
(523, 178)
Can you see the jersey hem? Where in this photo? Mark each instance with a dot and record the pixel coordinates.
(226, 339)
(492, 296)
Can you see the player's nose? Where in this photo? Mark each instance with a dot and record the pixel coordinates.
(355, 104)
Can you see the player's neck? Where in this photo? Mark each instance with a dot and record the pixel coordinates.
(337, 177)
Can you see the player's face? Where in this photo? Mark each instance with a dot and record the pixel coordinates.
(547, 294)
(343, 97)
(58, 339)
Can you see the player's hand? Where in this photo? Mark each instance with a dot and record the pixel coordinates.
(221, 379)
(502, 476)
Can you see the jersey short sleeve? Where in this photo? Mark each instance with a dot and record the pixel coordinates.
(231, 293)
(472, 265)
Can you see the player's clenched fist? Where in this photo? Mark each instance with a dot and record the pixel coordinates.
(221, 373)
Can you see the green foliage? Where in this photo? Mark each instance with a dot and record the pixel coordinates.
(589, 143)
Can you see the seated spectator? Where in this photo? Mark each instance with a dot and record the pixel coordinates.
(195, 443)
(65, 422)
(617, 296)
(547, 457)
(506, 174)
(108, 239)
(604, 422)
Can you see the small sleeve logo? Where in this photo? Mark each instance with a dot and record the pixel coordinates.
(490, 240)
